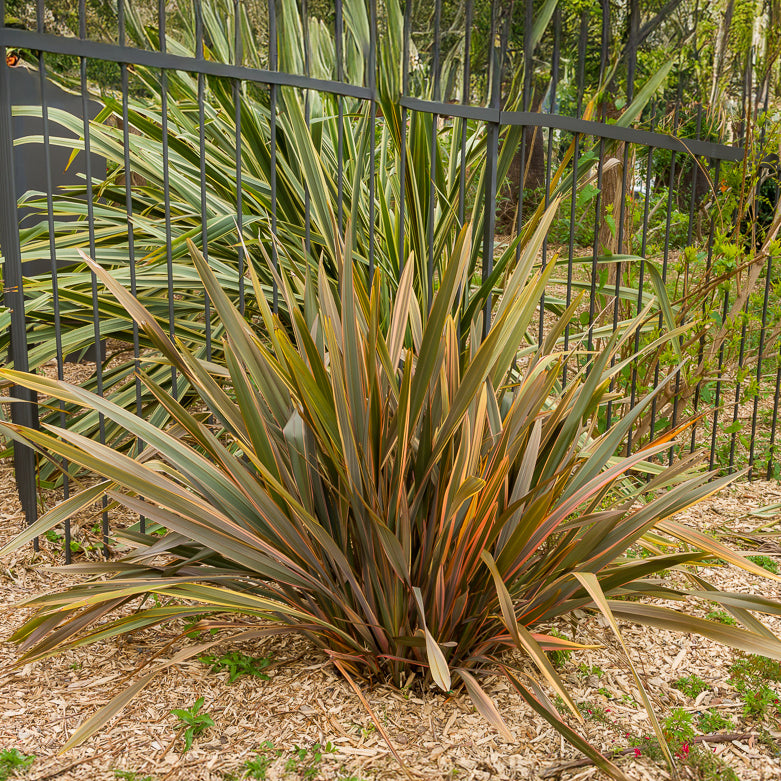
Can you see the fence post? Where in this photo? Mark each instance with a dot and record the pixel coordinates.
(22, 413)
(492, 155)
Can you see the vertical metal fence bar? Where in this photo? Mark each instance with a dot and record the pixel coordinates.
(724, 312)
(238, 55)
(272, 56)
(372, 131)
(465, 98)
(433, 153)
(771, 450)
(42, 73)
(549, 155)
(689, 233)
(23, 412)
(603, 54)
(695, 172)
(768, 275)
(626, 176)
(307, 119)
(738, 388)
(525, 100)
(124, 75)
(403, 150)
(492, 155)
(199, 55)
(161, 17)
(666, 252)
(339, 44)
(641, 270)
(708, 266)
(582, 37)
(755, 410)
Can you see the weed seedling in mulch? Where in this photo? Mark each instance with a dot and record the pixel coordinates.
(750, 676)
(12, 761)
(722, 616)
(560, 657)
(238, 664)
(587, 670)
(131, 775)
(257, 766)
(712, 721)
(193, 721)
(771, 565)
(307, 762)
(691, 685)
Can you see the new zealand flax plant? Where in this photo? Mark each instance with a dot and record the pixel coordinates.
(402, 495)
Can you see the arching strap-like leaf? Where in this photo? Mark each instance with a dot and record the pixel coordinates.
(485, 704)
(377, 723)
(523, 638)
(599, 759)
(118, 703)
(590, 582)
(57, 514)
(436, 659)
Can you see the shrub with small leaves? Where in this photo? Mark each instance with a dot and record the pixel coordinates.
(691, 685)
(753, 668)
(712, 721)
(759, 701)
(12, 761)
(678, 729)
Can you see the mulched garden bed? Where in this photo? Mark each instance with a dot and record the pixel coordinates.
(276, 723)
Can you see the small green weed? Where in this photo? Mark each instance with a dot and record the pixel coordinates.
(593, 712)
(189, 625)
(771, 565)
(238, 664)
(691, 685)
(257, 766)
(306, 762)
(131, 775)
(193, 721)
(713, 721)
(590, 669)
(561, 657)
(701, 763)
(12, 760)
(722, 616)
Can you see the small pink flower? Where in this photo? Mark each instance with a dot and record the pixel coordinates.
(638, 752)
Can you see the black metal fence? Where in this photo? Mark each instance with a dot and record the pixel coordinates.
(231, 122)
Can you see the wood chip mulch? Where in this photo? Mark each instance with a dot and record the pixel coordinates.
(305, 701)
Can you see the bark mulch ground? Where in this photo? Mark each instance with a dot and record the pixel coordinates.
(275, 724)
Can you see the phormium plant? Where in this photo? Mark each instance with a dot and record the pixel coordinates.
(400, 494)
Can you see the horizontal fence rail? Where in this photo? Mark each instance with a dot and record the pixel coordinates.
(259, 139)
